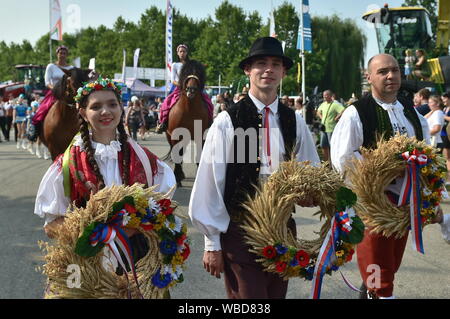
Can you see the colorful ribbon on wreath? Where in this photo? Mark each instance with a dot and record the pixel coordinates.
(111, 233)
(340, 222)
(411, 191)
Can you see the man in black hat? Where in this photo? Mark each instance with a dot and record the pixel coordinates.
(243, 147)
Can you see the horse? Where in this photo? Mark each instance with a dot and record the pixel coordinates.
(187, 110)
(62, 122)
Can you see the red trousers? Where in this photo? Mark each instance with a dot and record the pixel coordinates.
(387, 253)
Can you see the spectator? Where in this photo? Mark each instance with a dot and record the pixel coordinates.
(409, 63)
(285, 100)
(3, 119)
(299, 106)
(424, 95)
(417, 100)
(445, 135)
(134, 117)
(9, 117)
(329, 113)
(422, 68)
(435, 119)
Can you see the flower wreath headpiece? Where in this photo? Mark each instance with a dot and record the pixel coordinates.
(98, 85)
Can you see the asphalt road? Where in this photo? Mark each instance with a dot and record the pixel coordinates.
(420, 276)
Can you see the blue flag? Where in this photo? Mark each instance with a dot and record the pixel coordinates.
(305, 29)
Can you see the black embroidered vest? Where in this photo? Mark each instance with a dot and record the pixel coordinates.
(243, 173)
(375, 120)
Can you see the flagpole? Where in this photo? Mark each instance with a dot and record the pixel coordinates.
(302, 53)
(50, 28)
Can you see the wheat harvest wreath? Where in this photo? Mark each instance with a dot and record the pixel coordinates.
(90, 238)
(422, 173)
(269, 211)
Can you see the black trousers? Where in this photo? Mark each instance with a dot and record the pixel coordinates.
(3, 127)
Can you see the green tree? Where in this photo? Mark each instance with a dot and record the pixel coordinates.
(225, 41)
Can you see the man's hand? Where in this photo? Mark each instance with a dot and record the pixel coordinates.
(439, 216)
(51, 228)
(309, 202)
(213, 262)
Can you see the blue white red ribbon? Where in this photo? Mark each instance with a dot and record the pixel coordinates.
(341, 222)
(324, 258)
(410, 191)
(344, 221)
(112, 233)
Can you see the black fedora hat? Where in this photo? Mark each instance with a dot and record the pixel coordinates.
(267, 46)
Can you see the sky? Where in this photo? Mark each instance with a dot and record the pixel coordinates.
(29, 19)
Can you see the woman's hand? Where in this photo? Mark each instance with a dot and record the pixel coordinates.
(52, 227)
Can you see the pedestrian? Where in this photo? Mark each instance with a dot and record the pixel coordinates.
(445, 135)
(409, 63)
(20, 118)
(101, 155)
(229, 169)
(2, 118)
(329, 113)
(299, 105)
(135, 117)
(53, 74)
(422, 70)
(423, 95)
(359, 126)
(9, 109)
(435, 119)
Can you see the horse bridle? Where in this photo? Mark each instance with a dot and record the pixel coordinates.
(69, 91)
(191, 90)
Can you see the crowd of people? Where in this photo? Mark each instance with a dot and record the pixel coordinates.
(15, 118)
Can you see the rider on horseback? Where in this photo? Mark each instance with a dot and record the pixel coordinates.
(172, 98)
(53, 74)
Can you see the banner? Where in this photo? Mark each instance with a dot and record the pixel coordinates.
(135, 62)
(169, 21)
(272, 25)
(77, 62)
(91, 64)
(304, 29)
(55, 20)
(124, 64)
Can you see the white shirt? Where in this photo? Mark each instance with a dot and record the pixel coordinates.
(53, 73)
(348, 137)
(51, 201)
(207, 207)
(176, 69)
(436, 118)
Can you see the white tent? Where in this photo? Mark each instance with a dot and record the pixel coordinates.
(138, 87)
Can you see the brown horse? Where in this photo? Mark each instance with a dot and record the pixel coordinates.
(62, 123)
(189, 109)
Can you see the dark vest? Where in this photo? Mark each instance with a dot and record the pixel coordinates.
(242, 175)
(375, 120)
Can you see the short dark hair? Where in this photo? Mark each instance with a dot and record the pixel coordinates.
(425, 93)
(446, 94)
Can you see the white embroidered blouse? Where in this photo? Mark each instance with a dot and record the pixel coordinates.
(51, 201)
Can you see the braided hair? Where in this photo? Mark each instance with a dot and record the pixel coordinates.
(87, 144)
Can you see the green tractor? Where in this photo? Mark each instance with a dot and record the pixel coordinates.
(403, 28)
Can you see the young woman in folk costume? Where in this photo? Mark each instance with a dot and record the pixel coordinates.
(53, 73)
(101, 155)
(172, 98)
